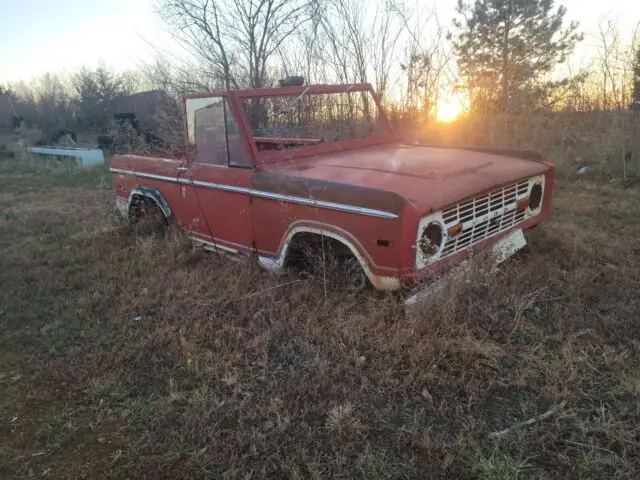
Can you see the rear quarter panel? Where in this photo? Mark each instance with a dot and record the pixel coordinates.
(162, 167)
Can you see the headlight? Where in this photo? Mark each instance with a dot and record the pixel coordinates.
(535, 197)
(431, 239)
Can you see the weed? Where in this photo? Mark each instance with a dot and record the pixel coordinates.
(58, 427)
(501, 466)
(342, 419)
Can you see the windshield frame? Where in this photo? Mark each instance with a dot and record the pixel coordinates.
(315, 149)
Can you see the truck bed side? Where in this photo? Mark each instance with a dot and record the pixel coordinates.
(147, 176)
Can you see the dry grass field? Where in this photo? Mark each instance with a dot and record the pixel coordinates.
(124, 353)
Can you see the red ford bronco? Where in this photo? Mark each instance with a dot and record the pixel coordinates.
(266, 171)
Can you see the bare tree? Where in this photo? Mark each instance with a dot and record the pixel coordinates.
(608, 50)
(635, 88)
(236, 39)
(346, 28)
(197, 25)
(425, 61)
(387, 29)
(178, 77)
(52, 98)
(614, 65)
(361, 40)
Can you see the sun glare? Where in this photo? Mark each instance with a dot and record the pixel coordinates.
(450, 109)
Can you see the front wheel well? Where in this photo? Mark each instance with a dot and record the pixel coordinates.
(308, 250)
(308, 242)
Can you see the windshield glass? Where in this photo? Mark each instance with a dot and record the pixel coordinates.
(285, 122)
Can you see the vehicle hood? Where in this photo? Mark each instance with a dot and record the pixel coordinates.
(430, 178)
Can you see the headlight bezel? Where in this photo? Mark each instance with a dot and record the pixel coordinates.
(533, 182)
(431, 240)
(423, 258)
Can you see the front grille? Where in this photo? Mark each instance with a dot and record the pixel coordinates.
(484, 216)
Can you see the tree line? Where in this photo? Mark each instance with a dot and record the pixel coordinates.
(75, 101)
(507, 56)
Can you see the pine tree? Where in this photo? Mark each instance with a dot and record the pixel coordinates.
(507, 48)
(92, 89)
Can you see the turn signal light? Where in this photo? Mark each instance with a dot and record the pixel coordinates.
(523, 203)
(454, 230)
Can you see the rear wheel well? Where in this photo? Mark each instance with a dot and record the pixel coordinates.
(144, 206)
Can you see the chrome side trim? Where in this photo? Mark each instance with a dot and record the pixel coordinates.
(220, 186)
(151, 176)
(262, 194)
(323, 204)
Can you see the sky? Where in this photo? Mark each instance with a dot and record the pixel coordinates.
(39, 36)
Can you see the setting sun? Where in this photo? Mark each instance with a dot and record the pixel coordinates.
(450, 108)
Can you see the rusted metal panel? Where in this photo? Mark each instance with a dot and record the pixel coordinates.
(428, 178)
(330, 191)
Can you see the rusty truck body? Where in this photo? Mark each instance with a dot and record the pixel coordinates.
(263, 169)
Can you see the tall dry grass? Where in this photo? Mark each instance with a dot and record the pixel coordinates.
(607, 142)
(127, 354)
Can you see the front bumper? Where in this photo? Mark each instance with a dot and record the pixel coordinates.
(501, 251)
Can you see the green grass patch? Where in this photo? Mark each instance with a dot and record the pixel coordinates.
(503, 459)
(15, 178)
(499, 465)
(67, 332)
